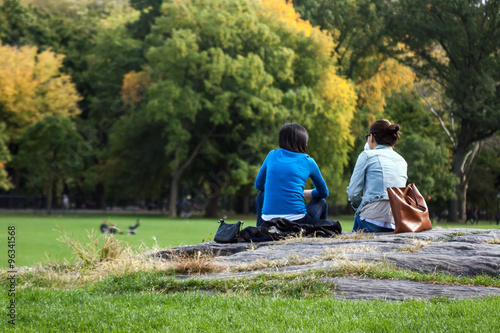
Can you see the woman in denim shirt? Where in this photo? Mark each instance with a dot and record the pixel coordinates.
(376, 169)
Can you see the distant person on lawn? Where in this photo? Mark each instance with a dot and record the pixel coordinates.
(282, 178)
(104, 227)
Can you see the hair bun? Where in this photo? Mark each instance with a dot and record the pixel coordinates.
(394, 128)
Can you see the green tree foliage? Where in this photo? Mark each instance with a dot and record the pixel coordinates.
(150, 10)
(44, 147)
(114, 54)
(134, 161)
(484, 185)
(358, 29)
(16, 22)
(421, 144)
(93, 36)
(455, 44)
(224, 75)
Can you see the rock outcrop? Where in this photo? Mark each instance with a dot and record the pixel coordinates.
(458, 252)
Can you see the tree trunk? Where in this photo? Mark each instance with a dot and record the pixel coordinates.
(179, 170)
(17, 177)
(174, 188)
(100, 196)
(246, 205)
(462, 199)
(50, 194)
(212, 208)
(465, 157)
(457, 171)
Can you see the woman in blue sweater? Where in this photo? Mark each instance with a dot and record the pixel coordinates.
(282, 178)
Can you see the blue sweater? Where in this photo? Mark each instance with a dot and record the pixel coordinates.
(282, 178)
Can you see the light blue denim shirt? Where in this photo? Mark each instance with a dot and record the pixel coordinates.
(375, 170)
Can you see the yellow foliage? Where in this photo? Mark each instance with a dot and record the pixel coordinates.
(285, 11)
(336, 91)
(338, 94)
(134, 86)
(390, 77)
(31, 86)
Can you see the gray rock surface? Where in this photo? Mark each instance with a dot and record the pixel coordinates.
(458, 252)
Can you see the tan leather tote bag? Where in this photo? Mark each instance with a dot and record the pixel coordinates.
(409, 209)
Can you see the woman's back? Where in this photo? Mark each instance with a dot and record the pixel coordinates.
(385, 168)
(282, 177)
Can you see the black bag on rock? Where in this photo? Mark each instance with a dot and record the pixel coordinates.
(227, 233)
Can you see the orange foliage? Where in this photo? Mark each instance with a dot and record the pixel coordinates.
(134, 86)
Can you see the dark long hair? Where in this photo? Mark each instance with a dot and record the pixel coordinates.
(385, 133)
(293, 137)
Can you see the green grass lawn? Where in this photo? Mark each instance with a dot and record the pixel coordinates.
(83, 311)
(36, 235)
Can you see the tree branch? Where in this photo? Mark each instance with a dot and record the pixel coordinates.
(191, 157)
(436, 114)
(469, 159)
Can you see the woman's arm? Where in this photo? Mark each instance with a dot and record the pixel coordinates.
(321, 190)
(260, 181)
(357, 181)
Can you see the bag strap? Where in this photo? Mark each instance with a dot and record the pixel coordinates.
(224, 221)
(407, 188)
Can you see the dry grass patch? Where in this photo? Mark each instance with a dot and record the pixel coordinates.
(100, 248)
(104, 255)
(495, 240)
(360, 268)
(266, 263)
(341, 251)
(415, 246)
(360, 234)
(199, 263)
(63, 275)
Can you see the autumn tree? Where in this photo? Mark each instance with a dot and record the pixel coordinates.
(467, 34)
(226, 75)
(358, 28)
(32, 86)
